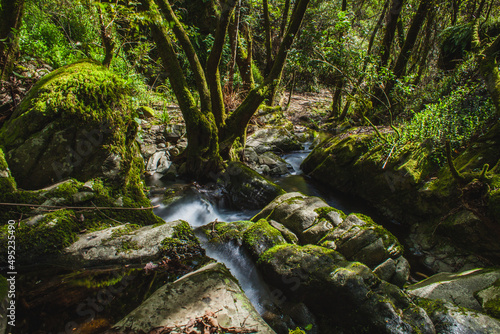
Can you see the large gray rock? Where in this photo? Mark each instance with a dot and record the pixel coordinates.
(347, 295)
(246, 189)
(68, 126)
(356, 237)
(300, 214)
(211, 288)
(451, 319)
(276, 139)
(459, 288)
(257, 237)
(132, 244)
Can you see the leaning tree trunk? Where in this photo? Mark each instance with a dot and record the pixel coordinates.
(209, 137)
(399, 69)
(488, 66)
(11, 13)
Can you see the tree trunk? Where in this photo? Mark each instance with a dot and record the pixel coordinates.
(107, 41)
(390, 31)
(284, 21)
(208, 138)
(488, 66)
(365, 63)
(11, 13)
(399, 69)
(237, 122)
(268, 40)
(234, 30)
(202, 153)
(244, 59)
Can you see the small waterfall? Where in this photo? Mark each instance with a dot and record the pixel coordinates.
(198, 211)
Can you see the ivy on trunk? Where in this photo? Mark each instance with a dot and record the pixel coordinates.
(212, 132)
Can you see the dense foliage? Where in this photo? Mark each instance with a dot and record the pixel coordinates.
(414, 65)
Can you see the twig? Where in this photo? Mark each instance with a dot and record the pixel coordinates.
(116, 221)
(390, 153)
(78, 207)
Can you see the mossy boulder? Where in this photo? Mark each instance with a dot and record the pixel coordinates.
(345, 296)
(350, 162)
(463, 289)
(308, 217)
(409, 187)
(256, 237)
(452, 319)
(359, 238)
(209, 289)
(277, 139)
(356, 237)
(7, 182)
(131, 243)
(43, 234)
(246, 189)
(490, 299)
(75, 122)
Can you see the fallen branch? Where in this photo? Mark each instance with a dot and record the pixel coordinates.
(78, 207)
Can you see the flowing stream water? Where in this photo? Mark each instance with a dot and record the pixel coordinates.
(62, 300)
(198, 211)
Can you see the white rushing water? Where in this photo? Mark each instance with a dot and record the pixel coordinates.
(198, 212)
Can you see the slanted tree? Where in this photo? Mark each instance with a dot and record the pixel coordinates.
(488, 65)
(213, 134)
(11, 13)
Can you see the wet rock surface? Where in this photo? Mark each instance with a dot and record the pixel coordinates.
(133, 244)
(462, 289)
(211, 288)
(356, 237)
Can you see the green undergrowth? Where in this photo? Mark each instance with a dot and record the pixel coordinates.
(183, 243)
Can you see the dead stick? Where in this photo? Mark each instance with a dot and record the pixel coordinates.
(78, 207)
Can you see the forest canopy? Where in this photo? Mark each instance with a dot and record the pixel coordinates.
(427, 69)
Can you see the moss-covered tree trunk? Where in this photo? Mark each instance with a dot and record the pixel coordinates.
(11, 13)
(211, 133)
(488, 66)
(244, 58)
(418, 20)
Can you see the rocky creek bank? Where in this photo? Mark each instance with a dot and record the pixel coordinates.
(78, 198)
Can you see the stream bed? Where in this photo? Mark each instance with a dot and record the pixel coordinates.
(62, 300)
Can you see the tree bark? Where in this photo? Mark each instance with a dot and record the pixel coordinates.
(202, 153)
(237, 122)
(390, 31)
(207, 138)
(213, 62)
(11, 13)
(191, 55)
(107, 41)
(399, 69)
(268, 40)
(244, 59)
(488, 66)
(234, 31)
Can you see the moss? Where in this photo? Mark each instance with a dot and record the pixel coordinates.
(324, 211)
(65, 190)
(124, 230)
(391, 243)
(7, 182)
(272, 253)
(183, 242)
(223, 232)
(260, 236)
(128, 246)
(55, 231)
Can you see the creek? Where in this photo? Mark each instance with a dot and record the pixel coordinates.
(62, 300)
(200, 209)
